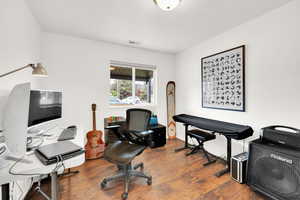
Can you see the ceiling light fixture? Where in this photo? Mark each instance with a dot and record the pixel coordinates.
(167, 5)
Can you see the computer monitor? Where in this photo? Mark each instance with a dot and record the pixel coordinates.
(44, 106)
(28, 108)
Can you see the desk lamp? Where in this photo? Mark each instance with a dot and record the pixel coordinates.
(37, 70)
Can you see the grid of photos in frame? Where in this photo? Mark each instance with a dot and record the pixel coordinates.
(222, 80)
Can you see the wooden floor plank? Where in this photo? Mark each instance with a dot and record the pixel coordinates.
(175, 177)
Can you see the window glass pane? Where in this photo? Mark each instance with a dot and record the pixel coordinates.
(144, 86)
(120, 85)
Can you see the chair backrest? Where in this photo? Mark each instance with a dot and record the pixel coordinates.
(138, 119)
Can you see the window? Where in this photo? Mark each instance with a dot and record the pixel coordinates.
(131, 85)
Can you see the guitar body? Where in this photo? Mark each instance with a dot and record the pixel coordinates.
(95, 145)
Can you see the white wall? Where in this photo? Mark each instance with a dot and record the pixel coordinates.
(272, 73)
(80, 68)
(19, 45)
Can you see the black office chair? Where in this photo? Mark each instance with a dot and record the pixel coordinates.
(133, 140)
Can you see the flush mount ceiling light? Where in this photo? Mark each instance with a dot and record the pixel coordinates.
(167, 5)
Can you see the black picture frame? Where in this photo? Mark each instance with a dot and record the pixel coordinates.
(223, 80)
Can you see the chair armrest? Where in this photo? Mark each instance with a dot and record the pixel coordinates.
(143, 133)
(112, 127)
(139, 137)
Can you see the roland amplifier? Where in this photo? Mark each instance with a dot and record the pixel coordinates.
(283, 135)
(239, 167)
(274, 170)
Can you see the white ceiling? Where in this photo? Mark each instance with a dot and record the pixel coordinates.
(118, 21)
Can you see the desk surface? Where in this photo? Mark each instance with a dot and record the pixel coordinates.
(36, 166)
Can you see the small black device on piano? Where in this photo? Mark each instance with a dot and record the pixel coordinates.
(229, 130)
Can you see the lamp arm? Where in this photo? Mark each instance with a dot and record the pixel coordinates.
(19, 69)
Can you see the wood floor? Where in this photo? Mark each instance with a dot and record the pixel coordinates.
(175, 177)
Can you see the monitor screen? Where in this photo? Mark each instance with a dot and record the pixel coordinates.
(44, 106)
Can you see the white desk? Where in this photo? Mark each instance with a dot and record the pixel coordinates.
(37, 167)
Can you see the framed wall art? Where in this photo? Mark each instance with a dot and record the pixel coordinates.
(223, 80)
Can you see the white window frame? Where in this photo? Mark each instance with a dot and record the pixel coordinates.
(133, 67)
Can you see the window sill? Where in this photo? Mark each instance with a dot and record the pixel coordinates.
(132, 106)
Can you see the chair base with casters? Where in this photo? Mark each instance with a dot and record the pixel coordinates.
(201, 137)
(126, 173)
(122, 153)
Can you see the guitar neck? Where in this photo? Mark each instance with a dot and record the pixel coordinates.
(94, 120)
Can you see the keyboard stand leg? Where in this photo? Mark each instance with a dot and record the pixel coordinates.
(195, 149)
(227, 169)
(209, 163)
(209, 160)
(186, 145)
(180, 149)
(222, 172)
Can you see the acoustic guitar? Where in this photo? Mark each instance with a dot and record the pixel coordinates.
(95, 145)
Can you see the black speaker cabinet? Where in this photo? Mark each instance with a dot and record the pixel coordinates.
(274, 170)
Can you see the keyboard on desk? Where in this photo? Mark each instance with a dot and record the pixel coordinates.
(68, 134)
